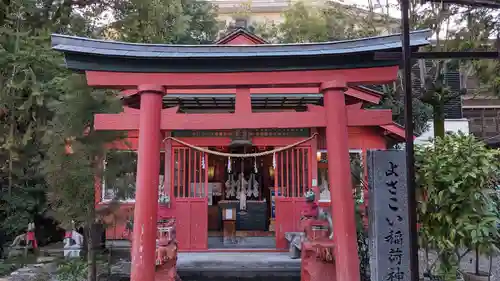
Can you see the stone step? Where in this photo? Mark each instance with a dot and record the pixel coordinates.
(229, 264)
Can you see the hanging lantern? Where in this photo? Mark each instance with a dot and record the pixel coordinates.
(318, 156)
(211, 172)
(203, 161)
(271, 172)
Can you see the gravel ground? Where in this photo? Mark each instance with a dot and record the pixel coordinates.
(33, 272)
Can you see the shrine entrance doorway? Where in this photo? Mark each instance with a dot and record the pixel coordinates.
(190, 200)
(243, 187)
(292, 180)
(202, 169)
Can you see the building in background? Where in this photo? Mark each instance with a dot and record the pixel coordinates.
(482, 109)
(245, 13)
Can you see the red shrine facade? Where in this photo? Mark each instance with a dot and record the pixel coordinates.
(239, 131)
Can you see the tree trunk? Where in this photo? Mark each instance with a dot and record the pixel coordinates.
(11, 159)
(438, 118)
(91, 255)
(477, 261)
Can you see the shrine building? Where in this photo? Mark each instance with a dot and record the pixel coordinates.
(227, 138)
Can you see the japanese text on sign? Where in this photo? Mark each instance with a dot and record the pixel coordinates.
(389, 231)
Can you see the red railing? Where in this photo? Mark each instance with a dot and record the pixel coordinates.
(189, 173)
(293, 172)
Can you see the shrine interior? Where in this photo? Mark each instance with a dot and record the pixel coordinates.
(240, 208)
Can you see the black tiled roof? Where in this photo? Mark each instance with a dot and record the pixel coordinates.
(90, 54)
(73, 44)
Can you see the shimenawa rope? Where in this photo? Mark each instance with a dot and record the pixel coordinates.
(242, 155)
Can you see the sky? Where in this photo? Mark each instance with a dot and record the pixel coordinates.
(393, 12)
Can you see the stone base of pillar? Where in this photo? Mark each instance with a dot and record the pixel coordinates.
(167, 271)
(317, 251)
(318, 263)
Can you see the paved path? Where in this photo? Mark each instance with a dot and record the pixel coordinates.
(237, 261)
(229, 264)
(468, 262)
(212, 264)
(34, 272)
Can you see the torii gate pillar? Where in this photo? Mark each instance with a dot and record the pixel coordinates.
(148, 170)
(339, 174)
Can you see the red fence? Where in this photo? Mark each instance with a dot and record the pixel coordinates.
(190, 188)
(292, 180)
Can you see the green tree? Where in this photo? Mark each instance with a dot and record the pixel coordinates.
(28, 75)
(73, 175)
(393, 98)
(305, 23)
(27, 67)
(434, 90)
(476, 26)
(156, 21)
(455, 177)
(431, 91)
(35, 92)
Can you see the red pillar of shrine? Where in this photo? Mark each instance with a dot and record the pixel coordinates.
(146, 196)
(339, 174)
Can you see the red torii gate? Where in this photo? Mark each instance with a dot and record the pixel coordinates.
(107, 65)
(333, 116)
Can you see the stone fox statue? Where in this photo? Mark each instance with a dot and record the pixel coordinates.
(26, 240)
(73, 242)
(314, 211)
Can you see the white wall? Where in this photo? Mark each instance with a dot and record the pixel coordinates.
(450, 125)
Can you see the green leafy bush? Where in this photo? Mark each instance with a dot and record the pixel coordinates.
(7, 268)
(455, 176)
(72, 270)
(76, 269)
